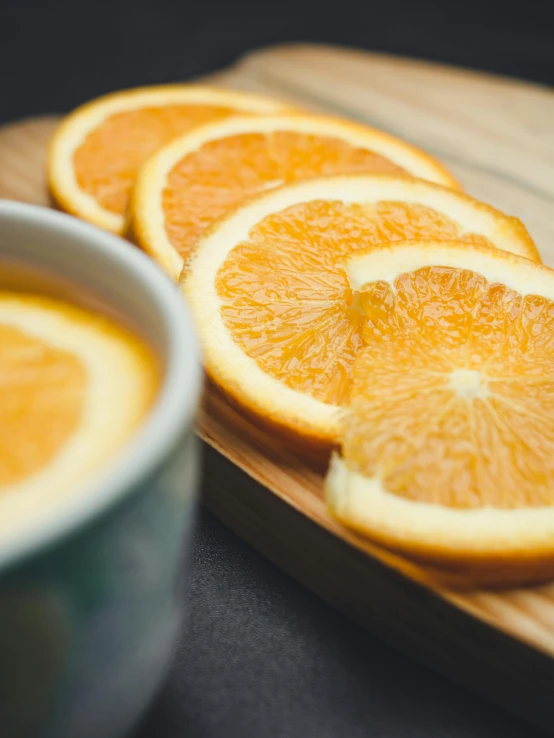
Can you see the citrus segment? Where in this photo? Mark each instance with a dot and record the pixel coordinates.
(447, 448)
(280, 323)
(107, 161)
(307, 331)
(74, 388)
(98, 149)
(41, 402)
(188, 185)
(223, 173)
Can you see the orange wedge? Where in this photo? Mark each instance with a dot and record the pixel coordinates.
(279, 323)
(97, 150)
(447, 453)
(74, 388)
(187, 185)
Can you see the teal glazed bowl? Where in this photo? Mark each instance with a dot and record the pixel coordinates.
(91, 595)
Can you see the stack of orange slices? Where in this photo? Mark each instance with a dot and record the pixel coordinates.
(202, 176)
(99, 148)
(347, 295)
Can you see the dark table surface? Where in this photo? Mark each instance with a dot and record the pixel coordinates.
(259, 655)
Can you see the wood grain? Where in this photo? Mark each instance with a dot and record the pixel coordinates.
(23, 160)
(497, 135)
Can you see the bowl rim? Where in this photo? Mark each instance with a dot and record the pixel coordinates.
(171, 414)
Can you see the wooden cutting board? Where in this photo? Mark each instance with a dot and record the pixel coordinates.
(497, 136)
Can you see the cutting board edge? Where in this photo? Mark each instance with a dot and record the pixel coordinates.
(243, 501)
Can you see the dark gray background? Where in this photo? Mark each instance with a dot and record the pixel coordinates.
(260, 656)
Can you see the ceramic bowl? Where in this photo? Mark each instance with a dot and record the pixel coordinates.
(91, 595)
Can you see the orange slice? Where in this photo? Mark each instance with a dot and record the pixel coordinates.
(97, 150)
(74, 388)
(188, 184)
(447, 452)
(278, 321)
